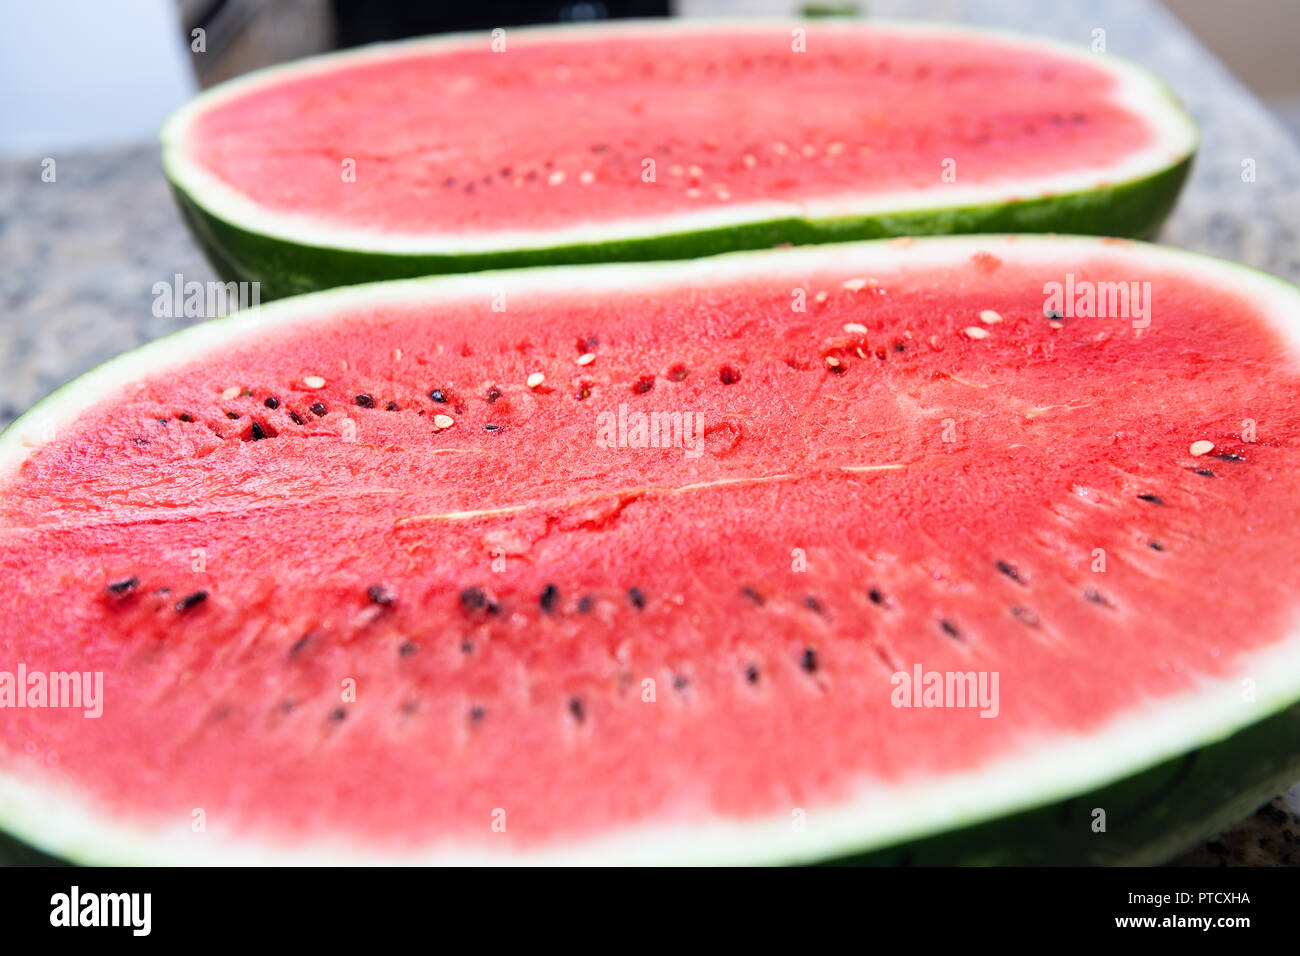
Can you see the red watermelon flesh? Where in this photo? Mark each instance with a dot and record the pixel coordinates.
(449, 138)
(878, 487)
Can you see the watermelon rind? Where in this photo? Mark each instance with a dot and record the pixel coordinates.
(288, 254)
(1168, 772)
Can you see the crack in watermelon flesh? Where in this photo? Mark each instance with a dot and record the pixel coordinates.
(456, 139)
(499, 591)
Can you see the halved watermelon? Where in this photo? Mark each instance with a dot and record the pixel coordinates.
(664, 140)
(654, 563)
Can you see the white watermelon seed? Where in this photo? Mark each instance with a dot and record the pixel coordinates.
(537, 378)
(989, 317)
(314, 381)
(855, 285)
(587, 177)
(1201, 447)
(443, 421)
(975, 332)
(232, 392)
(832, 362)
(853, 328)
(556, 177)
(586, 358)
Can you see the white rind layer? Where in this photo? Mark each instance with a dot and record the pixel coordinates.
(67, 824)
(1137, 91)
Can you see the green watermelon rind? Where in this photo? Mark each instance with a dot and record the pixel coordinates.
(286, 268)
(1034, 808)
(289, 257)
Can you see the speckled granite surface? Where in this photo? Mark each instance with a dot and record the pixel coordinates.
(80, 255)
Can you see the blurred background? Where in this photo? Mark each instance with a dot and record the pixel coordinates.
(137, 59)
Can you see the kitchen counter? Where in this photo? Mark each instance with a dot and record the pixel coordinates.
(81, 254)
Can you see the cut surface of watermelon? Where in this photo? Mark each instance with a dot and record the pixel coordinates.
(678, 139)
(456, 605)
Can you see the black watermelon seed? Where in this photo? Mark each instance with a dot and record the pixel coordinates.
(585, 604)
(876, 597)
(408, 648)
(318, 409)
(1230, 456)
(476, 714)
(1096, 597)
(366, 401)
(1154, 499)
(379, 594)
(441, 399)
(187, 417)
(191, 600)
(583, 393)
(644, 384)
(492, 395)
(677, 373)
(392, 407)
(286, 706)
(753, 596)
(124, 586)
(1010, 571)
(272, 403)
(550, 597)
(232, 415)
(1053, 314)
(812, 604)
(492, 428)
(576, 709)
(338, 714)
(900, 347)
(163, 591)
(949, 628)
(1025, 615)
(1205, 472)
(637, 598)
(809, 660)
(295, 418)
(1155, 546)
(728, 375)
(258, 432)
(300, 644)
(476, 599)
(467, 647)
(681, 682)
(751, 674)
(449, 181)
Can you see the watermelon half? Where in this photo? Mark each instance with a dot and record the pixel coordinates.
(664, 140)
(412, 572)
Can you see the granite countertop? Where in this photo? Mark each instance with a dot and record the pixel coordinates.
(82, 253)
